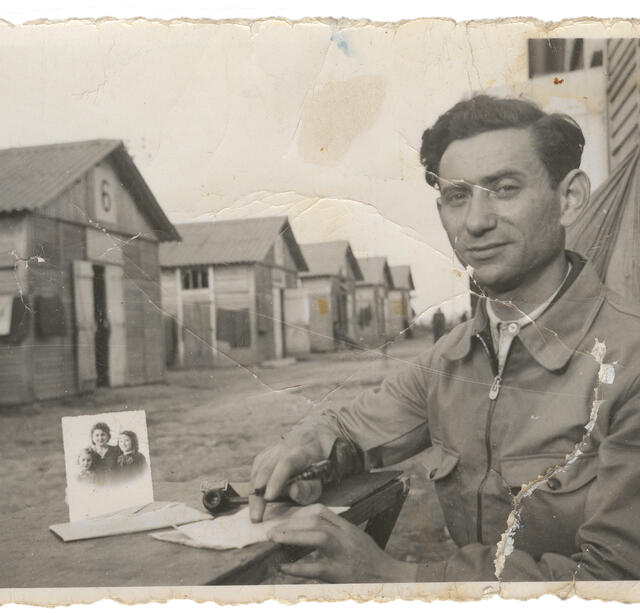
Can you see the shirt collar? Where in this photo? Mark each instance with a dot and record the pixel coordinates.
(557, 331)
(525, 319)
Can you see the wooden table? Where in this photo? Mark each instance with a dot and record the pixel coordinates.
(32, 556)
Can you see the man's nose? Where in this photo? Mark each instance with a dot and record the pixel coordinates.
(481, 216)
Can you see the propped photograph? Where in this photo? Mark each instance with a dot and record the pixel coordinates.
(107, 463)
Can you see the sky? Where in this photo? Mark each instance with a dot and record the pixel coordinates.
(316, 121)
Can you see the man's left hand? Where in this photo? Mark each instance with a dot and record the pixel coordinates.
(345, 553)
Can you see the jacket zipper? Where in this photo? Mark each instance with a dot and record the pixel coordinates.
(493, 396)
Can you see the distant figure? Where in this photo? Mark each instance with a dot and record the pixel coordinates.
(437, 325)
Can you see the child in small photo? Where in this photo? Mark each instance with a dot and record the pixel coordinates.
(131, 463)
(87, 459)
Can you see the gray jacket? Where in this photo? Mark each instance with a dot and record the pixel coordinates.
(565, 422)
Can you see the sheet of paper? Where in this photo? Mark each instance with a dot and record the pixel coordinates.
(137, 519)
(233, 531)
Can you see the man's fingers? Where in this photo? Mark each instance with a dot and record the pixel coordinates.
(257, 504)
(322, 513)
(310, 570)
(304, 522)
(334, 519)
(292, 464)
(262, 467)
(305, 492)
(304, 537)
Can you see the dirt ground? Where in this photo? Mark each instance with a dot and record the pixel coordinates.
(211, 423)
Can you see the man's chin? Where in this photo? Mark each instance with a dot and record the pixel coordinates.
(491, 282)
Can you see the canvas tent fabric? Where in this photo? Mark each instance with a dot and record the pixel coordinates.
(229, 242)
(607, 230)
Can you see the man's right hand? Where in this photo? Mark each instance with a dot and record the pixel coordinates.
(274, 466)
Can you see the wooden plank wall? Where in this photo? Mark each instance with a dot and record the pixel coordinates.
(72, 205)
(59, 243)
(289, 264)
(144, 326)
(45, 368)
(322, 305)
(623, 97)
(265, 318)
(280, 256)
(129, 219)
(232, 286)
(397, 312)
(234, 289)
(14, 359)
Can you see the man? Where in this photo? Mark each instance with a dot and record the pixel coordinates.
(531, 406)
(438, 325)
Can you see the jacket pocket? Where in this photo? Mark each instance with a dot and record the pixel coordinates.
(553, 507)
(569, 477)
(442, 470)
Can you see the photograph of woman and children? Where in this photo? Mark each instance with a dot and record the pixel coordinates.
(101, 463)
(107, 463)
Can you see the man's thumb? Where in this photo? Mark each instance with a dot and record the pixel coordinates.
(305, 491)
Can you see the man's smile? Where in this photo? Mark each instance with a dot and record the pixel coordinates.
(484, 251)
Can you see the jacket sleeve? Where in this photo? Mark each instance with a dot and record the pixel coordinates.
(385, 424)
(607, 543)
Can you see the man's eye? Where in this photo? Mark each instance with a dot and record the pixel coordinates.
(456, 197)
(506, 190)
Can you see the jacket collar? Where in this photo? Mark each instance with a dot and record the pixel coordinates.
(554, 336)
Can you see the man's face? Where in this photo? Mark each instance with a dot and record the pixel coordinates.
(499, 209)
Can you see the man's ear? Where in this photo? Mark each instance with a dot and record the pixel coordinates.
(575, 191)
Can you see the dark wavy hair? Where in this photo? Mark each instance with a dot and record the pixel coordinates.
(558, 138)
(103, 427)
(134, 438)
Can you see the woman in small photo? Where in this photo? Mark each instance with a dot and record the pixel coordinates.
(131, 462)
(107, 456)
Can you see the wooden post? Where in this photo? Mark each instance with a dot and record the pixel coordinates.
(212, 314)
(117, 320)
(179, 318)
(85, 325)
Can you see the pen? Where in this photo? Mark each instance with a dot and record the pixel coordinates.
(319, 470)
(224, 499)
